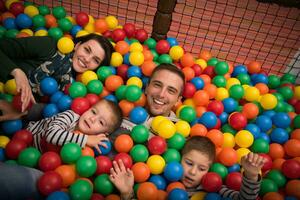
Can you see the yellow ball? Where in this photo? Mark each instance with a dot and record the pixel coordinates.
(297, 92)
(136, 46)
(65, 45)
(28, 31)
(31, 11)
(1, 87)
(241, 152)
(111, 21)
(166, 129)
(156, 164)
(268, 101)
(232, 81)
(244, 138)
(251, 94)
(222, 93)
(119, 26)
(245, 86)
(176, 52)
(41, 33)
(199, 196)
(156, 121)
(201, 62)
(9, 2)
(81, 33)
(189, 102)
(91, 19)
(183, 128)
(135, 81)
(89, 28)
(87, 76)
(228, 140)
(116, 59)
(3, 141)
(136, 58)
(10, 87)
(72, 20)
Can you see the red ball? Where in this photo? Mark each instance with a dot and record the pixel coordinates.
(216, 107)
(162, 47)
(291, 169)
(268, 162)
(49, 161)
(234, 181)
(49, 182)
(2, 6)
(189, 90)
(17, 103)
(16, 8)
(211, 182)
(141, 35)
(103, 165)
(129, 29)
(210, 71)
(92, 98)
(157, 145)
(217, 126)
(66, 89)
(118, 35)
(80, 105)
(125, 158)
(13, 148)
(197, 69)
(237, 120)
(297, 107)
(292, 101)
(122, 71)
(82, 18)
(96, 196)
(107, 34)
(24, 135)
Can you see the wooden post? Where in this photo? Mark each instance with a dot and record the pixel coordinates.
(163, 19)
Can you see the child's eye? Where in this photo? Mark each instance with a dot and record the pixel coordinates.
(93, 111)
(188, 162)
(101, 122)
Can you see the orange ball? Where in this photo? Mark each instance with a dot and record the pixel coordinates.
(100, 26)
(250, 110)
(6, 15)
(292, 148)
(50, 21)
(123, 143)
(112, 197)
(228, 156)
(277, 163)
(263, 88)
(104, 93)
(206, 79)
(141, 101)
(141, 172)
(254, 67)
(292, 115)
(22, 35)
(187, 60)
(292, 188)
(147, 67)
(126, 107)
(200, 110)
(273, 196)
(211, 89)
(87, 151)
(147, 191)
(198, 130)
(162, 195)
(67, 173)
(189, 73)
(276, 151)
(216, 136)
(122, 47)
(295, 134)
(205, 55)
(148, 56)
(201, 98)
(113, 82)
(174, 185)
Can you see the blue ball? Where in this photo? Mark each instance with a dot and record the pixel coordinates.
(159, 181)
(138, 115)
(264, 136)
(11, 126)
(178, 194)
(23, 21)
(281, 120)
(126, 59)
(145, 81)
(259, 78)
(9, 23)
(212, 196)
(208, 119)
(64, 103)
(48, 86)
(173, 171)
(172, 41)
(264, 123)
(254, 129)
(198, 83)
(239, 69)
(134, 71)
(269, 113)
(279, 135)
(2, 155)
(223, 117)
(230, 105)
(104, 151)
(56, 96)
(58, 195)
(234, 168)
(50, 110)
(113, 70)
(112, 98)
(75, 29)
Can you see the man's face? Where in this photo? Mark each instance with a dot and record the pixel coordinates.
(163, 92)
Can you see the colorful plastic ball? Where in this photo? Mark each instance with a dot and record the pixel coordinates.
(139, 153)
(38, 21)
(244, 138)
(228, 156)
(134, 71)
(291, 169)
(82, 19)
(77, 89)
(277, 176)
(171, 155)
(64, 103)
(237, 121)
(211, 182)
(292, 147)
(59, 12)
(162, 46)
(81, 189)
(239, 69)
(58, 195)
(104, 150)
(4, 140)
(166, 129)
(268, 101)
(273, 81)
(189, 90)
(29, 157)
(55, 33)
(147, 191)
(251, 94)
(126, 159)
(219, 169)
(198, 83)
(286, 92)
(230, 105)
(164, 58)
(49, 182)
(138, 115)
(183, 128)
(133, 93)
(23, 21)
(177, 141)
(75, 29)
(49, 161)
(173, 171)
(268, 185)
(95, 87)
(13, 148)
(157, 145)
(260, 146)
(44, 10)
(123, 143)
(156, 164)
(16, 8)
(113, 82)
(135, 81)
(279, 135)
(159, 181)
(178, 194)
(104, 165)
(136, 58)
(10, 23)
(129, 29)
(236, 91)
(234, 181)
(56, 96)
(208, 119)
(11, 126)
(80, 105)
(141, 35)
(12, 33)
(234, 168)
(264, 123)
(254, 129)
(86, 166)
(281, 120)
(103, 72)
(70, 153)
(65, 45)
(292, 188)
(17, 103)
(141, 172)
(48, 86)
(176, 52)
(221, 68)
(139, 134)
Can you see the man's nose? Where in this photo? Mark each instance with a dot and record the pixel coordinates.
(162, 92)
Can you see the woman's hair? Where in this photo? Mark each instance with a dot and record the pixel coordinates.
(104, 43)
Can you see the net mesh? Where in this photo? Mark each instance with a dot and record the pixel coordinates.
(234, 31)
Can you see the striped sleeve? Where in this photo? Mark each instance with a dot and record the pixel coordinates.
(58, 131)
(249, 190)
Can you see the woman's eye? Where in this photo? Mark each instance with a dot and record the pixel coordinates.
(86, 49)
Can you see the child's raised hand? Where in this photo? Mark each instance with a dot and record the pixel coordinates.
(252, 164)
(122, 178)
(96, 140)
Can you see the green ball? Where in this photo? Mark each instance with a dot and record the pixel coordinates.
(278, 96)
(133, 93)
(279, 107)
(29, 157)
(164, 58)
(221, 68)
(65, 24)
(86, 166)
(81, 190)
(277, 177)
(177, 141)
(296, 121)
(103, 72)
(139, 153)
(288, 107)
(11, 33)
(133, 40)
(236, 92)
(44, 10)
(188, 114)
(260, 146)
(2, 31)
(244, 79)
(120, 92)
(172, 155)
(226, 128)
(286, 92)
(77, 89)
(151, 43)
(219, 81)
(59, 12)
(70, 153)
(95, 87)
(139, 134)
(6, 97)
(212, 62)
(103, 185)
(135, 188)
(55, 33)
(38, 21)
(219, 169)
(267, 185)
(289, 78)
(155, 55)
(273, 81)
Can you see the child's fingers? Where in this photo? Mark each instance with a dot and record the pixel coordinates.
(98, 149)
(103, 144)
(250, 157)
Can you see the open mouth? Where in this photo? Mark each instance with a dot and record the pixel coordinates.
(81, 63)
(158, 102)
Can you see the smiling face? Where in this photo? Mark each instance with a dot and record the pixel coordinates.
(98, 119)
(195, 165)
(87, 56)
(163, 92)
